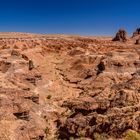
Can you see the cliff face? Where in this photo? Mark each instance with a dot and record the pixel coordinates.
(77, 87)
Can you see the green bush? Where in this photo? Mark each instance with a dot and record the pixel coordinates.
(100, 136)
(49, 96)
(132, 135)
(46, 130)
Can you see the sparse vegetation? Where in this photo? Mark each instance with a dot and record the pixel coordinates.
(63, 91)
(100, 136)
(49, 96)
(46, 130)
(132, 135)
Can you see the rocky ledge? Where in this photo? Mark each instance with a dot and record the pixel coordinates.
(69, 87)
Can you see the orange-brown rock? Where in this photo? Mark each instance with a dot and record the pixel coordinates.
(121, 35)
(79, 87)
(136, 33)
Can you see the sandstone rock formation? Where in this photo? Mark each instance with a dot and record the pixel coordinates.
(121, 35)
(31, 64)
(137, 42)
(136, 33)
(80, 87)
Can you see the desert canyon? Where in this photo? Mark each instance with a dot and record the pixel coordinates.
(69, 87)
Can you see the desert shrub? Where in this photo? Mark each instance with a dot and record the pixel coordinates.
(100, 136)
(46, 130)
(49, 96)
(132, 135)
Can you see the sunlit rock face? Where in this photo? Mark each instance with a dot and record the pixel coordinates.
(62, 87)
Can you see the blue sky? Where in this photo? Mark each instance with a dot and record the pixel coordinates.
(85, 17)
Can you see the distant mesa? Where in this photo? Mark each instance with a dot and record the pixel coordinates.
(121, 35)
